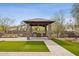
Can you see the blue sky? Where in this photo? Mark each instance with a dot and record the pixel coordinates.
(25, 11)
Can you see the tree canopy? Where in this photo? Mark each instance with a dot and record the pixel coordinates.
(75, 13)
(5, 22)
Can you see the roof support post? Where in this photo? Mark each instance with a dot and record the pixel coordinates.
(29, 31)
(45, 30)
(49, 31)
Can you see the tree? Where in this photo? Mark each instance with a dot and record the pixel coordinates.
(75, 13)
(59, 24)
(5, 22)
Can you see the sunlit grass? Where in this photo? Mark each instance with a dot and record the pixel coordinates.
(23, 46)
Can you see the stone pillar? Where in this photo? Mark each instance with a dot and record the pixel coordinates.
(45, 30)
(49, 31)
(28, 31)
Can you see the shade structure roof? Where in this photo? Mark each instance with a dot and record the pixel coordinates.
(38, 22)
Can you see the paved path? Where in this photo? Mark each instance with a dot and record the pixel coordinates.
(54, 48)
(25, 54)
(57, 50)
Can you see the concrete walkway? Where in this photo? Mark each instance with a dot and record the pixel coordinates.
(57, 50)
(54, 48)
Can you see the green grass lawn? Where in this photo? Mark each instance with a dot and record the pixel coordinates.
(69, 45)
(23, 46)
